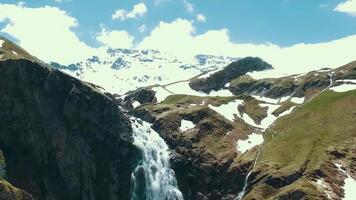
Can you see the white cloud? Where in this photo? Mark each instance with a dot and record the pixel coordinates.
(21, 3)
(115, 39)
(138, 11)
(348, 7)
(142, 28)
(294, 59)
(201, 18)
(188, 6)
(45, 32)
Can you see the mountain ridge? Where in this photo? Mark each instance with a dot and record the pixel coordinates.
(281, 138)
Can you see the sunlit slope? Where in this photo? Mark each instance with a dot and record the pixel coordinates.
(301, 147)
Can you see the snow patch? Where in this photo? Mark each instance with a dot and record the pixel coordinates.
(269, 120)
(221, 93)
(350, 188)
(227, 85)
(347, 80)
(265, 99)
(228, 110)
(287, 112)
(343, 88)
(252, 141)
(283, 99)
(14, 52)
(161, 94)
(1, 42)
(248, 120)
(136, 104)
(348, 84)
(185, 125)
(297, 100)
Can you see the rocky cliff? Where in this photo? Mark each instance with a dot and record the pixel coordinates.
(61, 137)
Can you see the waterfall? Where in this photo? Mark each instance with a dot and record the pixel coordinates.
(152, 179)
(242, 193)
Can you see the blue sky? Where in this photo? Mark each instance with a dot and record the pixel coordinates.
(290, 34)
(282, 22)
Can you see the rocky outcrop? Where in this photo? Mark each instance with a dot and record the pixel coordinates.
(295, 85)
(62, 138)
(141, 95)
(9, 192)
(218, 80)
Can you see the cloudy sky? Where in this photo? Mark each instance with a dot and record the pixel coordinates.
(293, 35)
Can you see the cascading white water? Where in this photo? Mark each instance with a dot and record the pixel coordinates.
(242, 193)
(153, 179)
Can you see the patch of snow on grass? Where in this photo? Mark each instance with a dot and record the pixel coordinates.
(185, 125)
(265, 99)
(136, 104)
(248, 120)
(298, 100)
(227, 84)
(161, 93)
(287, 112)
(228, 110)
(252, 141)
(348, 80)
(14, 52)
(266, 122)
(1, 42)
(343, 88)
(283, 99)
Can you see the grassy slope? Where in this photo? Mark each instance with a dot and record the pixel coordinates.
(325, 123)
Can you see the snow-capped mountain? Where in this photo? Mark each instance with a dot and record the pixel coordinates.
(122, 70)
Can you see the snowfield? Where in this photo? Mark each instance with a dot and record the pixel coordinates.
(348, 84)
(228, 110)
(122, 70)
(186, 125)
(252, 141)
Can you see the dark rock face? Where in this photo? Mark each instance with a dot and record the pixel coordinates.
(295, 195)
(62, 139)
(218, 80)
(142, 95)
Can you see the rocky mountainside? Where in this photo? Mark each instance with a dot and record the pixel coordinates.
(230, 136)
(247, 144)
(61, 138)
